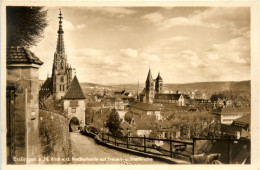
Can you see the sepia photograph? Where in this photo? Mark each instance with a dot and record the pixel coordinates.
(129, 85)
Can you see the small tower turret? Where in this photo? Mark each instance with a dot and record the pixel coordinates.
(159, 84)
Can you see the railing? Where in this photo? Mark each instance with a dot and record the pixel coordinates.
(171, 148)
(226, 147)
(229, 148)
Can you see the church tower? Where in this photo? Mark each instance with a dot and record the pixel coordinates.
(61, 71)
(159, 84)
(149, 88)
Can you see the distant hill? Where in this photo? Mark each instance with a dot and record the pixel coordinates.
(202, 86)
(211, 86)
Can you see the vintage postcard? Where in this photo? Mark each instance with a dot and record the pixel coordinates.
(126, 85)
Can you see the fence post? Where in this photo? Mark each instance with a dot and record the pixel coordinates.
(108, 138)
(103, 136)
(171, 146)
(127, 141)
(144, 144)
(193, 146)
(115, 139)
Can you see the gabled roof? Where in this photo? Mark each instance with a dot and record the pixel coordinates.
(231, 110)
(21, 55)
(146, 106)
(74, 91)
(167, 96)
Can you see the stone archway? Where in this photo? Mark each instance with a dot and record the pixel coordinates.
(74, 124)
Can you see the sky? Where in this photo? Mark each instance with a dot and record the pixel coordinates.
(117, 45)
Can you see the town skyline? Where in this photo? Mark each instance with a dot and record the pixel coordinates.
(114, 44)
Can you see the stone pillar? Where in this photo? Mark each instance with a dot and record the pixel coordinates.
(26, 111)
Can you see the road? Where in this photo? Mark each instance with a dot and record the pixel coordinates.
(84, 150)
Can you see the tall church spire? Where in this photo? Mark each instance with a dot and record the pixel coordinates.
(61, 72)
(149, 76)
(60, 43)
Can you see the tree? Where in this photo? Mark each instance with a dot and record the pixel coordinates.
(25, 25)
(113, 123)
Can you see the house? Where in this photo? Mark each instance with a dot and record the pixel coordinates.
(127, 129)
(228, 114)
(177, 99)
(119, 104)
(146, 109)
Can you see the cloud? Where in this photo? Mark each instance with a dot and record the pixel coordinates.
(126, 67)
(81, 26)
(191, 58)
(185, 21)
(234, 19)
(113, 11)
(178, 38)
(236, 50)
(67, 25)
(150, 57)
(154, 17)
(129, 52)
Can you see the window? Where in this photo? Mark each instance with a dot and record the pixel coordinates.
(60, 87)
(73, 110)
(63, 88)
(61, 65)
(61, 79)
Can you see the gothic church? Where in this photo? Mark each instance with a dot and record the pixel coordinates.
(61, 77)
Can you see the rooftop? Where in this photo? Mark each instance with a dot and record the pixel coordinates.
(244, 119)
(146, 106)
(74, 91)
(231, 110)
(167, 96)
(21, 55)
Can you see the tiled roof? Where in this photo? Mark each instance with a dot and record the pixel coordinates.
(231, 110)
(74, 91)
(47, 83)
(146, 106)
(167, 96)
(244, 119)
(46, 88)
(18, 55)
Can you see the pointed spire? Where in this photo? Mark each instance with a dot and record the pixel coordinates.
(60, 43)
(75, 91)
(159, 76)
(149, 76)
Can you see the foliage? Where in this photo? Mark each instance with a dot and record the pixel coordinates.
(128, 117)
(113, 123)
(25, 25)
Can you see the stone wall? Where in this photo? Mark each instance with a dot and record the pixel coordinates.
(54, 138)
